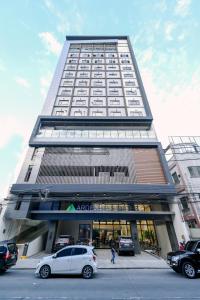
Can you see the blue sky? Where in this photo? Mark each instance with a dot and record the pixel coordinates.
(165, 37)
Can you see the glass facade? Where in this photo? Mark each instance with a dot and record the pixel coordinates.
(95, 133)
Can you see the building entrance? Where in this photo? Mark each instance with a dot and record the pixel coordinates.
(103, 232)
(106, 231)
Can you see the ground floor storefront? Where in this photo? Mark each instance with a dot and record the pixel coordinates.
(148, 228)
(101, 233)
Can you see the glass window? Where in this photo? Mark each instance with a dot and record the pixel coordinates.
(69, 74)
(194, 171)
(175, 178)
(78, 251)
(184, 202)
(28, 173)
(65, 252)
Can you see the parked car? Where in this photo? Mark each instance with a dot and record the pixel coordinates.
(82, 241)
(125, 245)
(186, 261)
(69, 260)
(63, 241)
(8, 255)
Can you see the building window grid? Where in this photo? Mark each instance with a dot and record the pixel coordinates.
(105, 50)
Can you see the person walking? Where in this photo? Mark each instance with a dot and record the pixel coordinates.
(181, 246)
(113, 252)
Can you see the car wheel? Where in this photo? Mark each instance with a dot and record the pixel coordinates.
(119, 253)
(133, 253)
(87, 272)
(189, 270)
(45, 272)
(3, 271)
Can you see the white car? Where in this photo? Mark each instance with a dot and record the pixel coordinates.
(75, 259)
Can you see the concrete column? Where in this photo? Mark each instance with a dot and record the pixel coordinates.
(51, 236)
(172, 235)
(134, 234)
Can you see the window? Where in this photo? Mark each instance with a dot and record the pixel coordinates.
(65, 252)
(63, 102)
(59, 112)
(175, 178)
(194, 171)
(97, 113)
(114, 102)
(116, 113)
(28, 173)
(98, 102)
(133, 102)
(78, 113)
(78, 251)
(136, 113)
(18, 205)
(184, 203)
(35, 151)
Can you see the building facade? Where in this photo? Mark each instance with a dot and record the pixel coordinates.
(183, 154)
(94, 168)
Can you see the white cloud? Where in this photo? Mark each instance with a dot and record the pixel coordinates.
(23, 82)
(161, 5)
(63, 24)
(182, 7)
(147, 55)
(169, 28)
(13, 126)
(181, 36)
(70, 19)
(45, 83)
(50, 42)
(2, 66)
(175, 110)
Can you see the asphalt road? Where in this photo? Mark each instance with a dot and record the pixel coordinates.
(107, 284)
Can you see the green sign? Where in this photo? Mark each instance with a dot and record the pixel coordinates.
(71, 208)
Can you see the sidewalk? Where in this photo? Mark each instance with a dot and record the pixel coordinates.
(142, 261)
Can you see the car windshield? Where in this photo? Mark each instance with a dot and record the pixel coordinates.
(125, 239)
(12, 248)
(190, 246)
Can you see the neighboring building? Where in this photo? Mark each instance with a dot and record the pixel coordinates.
(184, 164)
(94, 168)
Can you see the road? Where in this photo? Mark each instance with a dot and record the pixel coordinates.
(107, 284)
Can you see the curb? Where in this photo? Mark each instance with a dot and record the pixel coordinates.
(118, 268)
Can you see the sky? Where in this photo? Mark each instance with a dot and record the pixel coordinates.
(165, 39)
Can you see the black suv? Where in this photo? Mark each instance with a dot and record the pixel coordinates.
(186, 261)
(8, 255)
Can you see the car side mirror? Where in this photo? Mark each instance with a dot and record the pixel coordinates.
(54, 256)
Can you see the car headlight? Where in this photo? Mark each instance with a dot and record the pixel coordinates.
(175, 258)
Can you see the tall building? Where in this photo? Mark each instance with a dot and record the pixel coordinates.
(183, 155)
(94, 168)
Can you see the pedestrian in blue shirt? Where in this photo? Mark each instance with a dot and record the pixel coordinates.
(113, 252)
